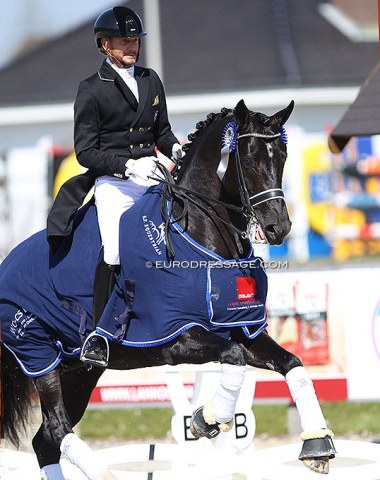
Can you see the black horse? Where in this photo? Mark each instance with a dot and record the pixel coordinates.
(226, 196)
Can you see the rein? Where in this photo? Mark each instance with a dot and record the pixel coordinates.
(186, 194)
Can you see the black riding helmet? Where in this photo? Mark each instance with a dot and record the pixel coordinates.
(120, 22)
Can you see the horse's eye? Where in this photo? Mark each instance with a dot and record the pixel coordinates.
(248, 160)
(266, 122)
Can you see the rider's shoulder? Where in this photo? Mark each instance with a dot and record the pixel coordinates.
(146, 72)
(91, 80)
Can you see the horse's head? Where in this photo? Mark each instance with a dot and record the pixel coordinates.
(259, 150)
(229, 186)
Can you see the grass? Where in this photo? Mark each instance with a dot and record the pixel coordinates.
(353, 418)
(155, 423)
(127, 424)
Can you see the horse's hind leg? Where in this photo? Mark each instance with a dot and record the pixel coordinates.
(55, 425)
(200, 346)
(77, 385)
(48, 454)
(56, 434)
(264, 352)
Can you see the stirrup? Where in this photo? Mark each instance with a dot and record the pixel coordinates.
(101, 362)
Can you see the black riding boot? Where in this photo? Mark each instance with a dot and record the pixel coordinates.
(95, 349)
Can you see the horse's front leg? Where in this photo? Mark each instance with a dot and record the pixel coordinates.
(56, 432)
(200, 346)
(318, 448)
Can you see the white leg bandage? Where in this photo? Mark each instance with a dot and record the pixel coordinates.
(52, 472)
(227, 393)
(303, 393)
(82, 456)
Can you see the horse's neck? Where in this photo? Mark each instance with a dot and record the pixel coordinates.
(213, 233)
(202, 222)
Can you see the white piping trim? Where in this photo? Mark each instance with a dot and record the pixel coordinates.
(266, 200)
(259, 135)
(40, 372)
(105, 79)
(265, 191)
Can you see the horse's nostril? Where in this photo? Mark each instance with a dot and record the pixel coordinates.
(270, 229)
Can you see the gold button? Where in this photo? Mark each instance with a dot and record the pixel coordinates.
(141, 145)
(131, 129)
(141, 129)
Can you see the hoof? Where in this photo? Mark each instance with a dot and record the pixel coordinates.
(318, 465)
(316, 453)
(199, 428)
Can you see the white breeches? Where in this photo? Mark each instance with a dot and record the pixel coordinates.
(113, 197)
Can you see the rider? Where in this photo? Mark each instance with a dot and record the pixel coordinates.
(120, 117)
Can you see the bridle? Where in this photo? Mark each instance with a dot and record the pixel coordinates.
(248, 202)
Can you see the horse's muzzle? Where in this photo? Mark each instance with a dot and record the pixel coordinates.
(276, 232)
(274, 221)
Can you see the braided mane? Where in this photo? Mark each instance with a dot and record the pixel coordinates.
(200, 126)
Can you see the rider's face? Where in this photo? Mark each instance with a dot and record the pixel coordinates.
(125, 50)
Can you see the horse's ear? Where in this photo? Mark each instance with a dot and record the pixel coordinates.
(241, 113)
(282, 116)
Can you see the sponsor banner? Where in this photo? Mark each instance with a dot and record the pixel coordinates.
(132, 394)
(297, 318)
(334, 389)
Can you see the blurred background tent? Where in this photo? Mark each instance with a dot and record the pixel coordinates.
(362, 118)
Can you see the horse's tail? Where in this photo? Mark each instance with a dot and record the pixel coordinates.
(18, 392)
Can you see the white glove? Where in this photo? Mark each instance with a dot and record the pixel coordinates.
(177, 152)
(141, 169)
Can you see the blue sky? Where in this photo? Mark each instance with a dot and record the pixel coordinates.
(23, 18)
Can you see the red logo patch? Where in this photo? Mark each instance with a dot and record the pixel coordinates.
(246, 288)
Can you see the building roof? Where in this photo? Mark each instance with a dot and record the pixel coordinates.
(213, 46)
(362, 117)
